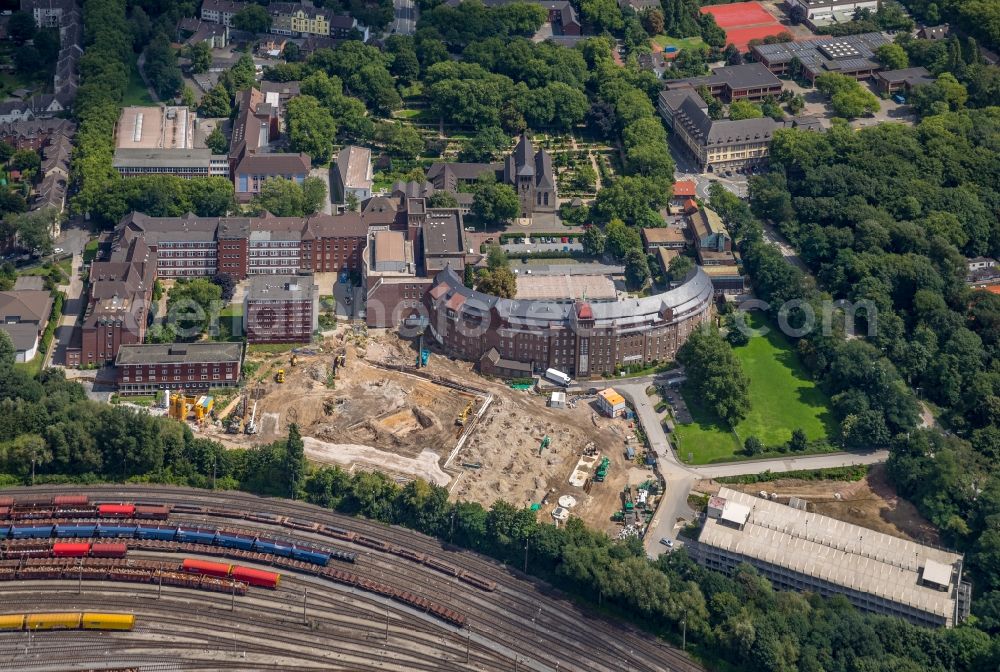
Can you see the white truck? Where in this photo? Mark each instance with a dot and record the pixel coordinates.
(557, 377)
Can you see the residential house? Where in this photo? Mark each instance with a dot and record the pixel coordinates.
(981, 270)
(191, 31)
(352, 174)
(934, 32)
(255, 169)
(297, 19)
(684, 190)
(24, 315)
(35, 134)
(563, 17)
(220, 11)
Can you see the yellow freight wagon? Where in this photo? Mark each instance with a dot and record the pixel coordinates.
(53, 621)
(11, 621)
(95, 621)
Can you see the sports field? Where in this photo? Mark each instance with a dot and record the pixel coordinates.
(782, 398)
(744, 21)
(664, 41)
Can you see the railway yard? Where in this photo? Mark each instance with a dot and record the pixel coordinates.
(381, 413)
(201, 577)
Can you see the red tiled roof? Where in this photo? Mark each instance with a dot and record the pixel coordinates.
(690, 205)
(584, 311)
(456, 301)
(684, 188)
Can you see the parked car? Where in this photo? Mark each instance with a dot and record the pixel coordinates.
(669, 543)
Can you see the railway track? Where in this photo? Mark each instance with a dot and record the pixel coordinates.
(535, 626)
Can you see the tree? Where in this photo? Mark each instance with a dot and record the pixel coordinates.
(485, 146)
(854, 103)
(25, 159)
(161, 67)
(593, 240)
(636, 268)
(34, 229)
(442, 199)
(495, 203)
(200, 55)
(252, 18)
(286, 198)
(402, 141)
(21, 27)
(8, 355)
(216, 141)
(798, 442)
(215, 103)
(191, 306)
(313, 195)
(243, 74)
(653, 21)
(604, 15)
(753, 446)
(311, 128)
(715, 375)
(291, 53)
(497, 282)
(744, 109)
(796, 104)
(892, 56)
(6, 151)
(620, 239)
(679, 267)
(227, 284)
(295, 460)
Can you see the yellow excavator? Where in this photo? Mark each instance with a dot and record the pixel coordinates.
(280, 376)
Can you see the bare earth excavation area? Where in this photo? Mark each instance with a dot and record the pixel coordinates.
(372, 416)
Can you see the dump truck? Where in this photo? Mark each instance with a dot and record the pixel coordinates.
(279, 377)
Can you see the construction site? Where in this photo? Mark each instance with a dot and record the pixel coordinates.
(369, 400)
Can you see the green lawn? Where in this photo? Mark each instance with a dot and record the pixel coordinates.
(136, 93)
(782, 398)
(90, 251)
(679, 42)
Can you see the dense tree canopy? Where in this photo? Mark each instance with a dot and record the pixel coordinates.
(715, 375)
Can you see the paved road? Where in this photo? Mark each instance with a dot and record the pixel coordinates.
(827, 461)
(407, 14)
(774, 237)
(324, 174)
(680, 478)
(72, 239)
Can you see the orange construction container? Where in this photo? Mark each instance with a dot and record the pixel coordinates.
(205, 567)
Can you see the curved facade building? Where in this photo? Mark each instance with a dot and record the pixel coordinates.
(517, 338)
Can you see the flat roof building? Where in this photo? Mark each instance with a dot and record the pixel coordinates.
(610, 402)
(851, 55)
(566, 288)
(155, 127)
(281, 309)
(891, 81)
(799, 550)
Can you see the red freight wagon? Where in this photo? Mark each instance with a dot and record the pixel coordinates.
(256, 577)
(108, 550)
(152, 512)
(70, 550)
(70, 500)
(6, 501)
(116, 510)
(203, 567)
